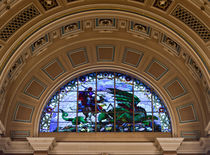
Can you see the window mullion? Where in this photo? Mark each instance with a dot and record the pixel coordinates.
(96, 104)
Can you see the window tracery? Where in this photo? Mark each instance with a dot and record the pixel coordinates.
(105, 102)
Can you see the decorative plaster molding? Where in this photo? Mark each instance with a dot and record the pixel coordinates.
(169, 144)
(4, 142)
(41, 143)
(207, 129)
(2, 129)
(190, 147)
(98, 148)
(18, 147)
(107, 148)
(205, 144)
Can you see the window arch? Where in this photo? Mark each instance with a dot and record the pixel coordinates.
(105, 102)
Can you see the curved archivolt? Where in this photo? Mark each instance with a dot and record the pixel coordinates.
(105, 102)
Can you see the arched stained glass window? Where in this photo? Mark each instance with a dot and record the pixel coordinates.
(105, 102)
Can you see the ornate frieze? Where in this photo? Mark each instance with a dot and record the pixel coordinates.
(139, 28)
(171, 44)
(18, 63)
(38, 44)
(105, 23)
(195, 68)
(72, 28)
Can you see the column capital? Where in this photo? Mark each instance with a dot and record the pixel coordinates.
(205, 144)
(2, 128)
(169, 144)
(41, 143)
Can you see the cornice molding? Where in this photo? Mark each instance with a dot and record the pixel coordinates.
(95, 148)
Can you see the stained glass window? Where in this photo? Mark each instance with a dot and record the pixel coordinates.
(105, 102)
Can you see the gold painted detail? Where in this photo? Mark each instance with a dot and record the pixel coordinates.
(19, 20)
(171, 44)
(48, 4)
(105, 24)
(139, 29)
(194, 23)
(162, 4)
(38, 44)
(15, 67)
(71, 28)
(194, 67)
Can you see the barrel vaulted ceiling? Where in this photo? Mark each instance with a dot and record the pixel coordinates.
(45, 43)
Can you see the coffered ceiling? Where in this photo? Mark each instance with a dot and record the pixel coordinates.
(45, 43)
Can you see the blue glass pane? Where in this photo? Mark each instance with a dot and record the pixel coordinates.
(70, 96)
(87, 82)
(140, 86)
(68, 106)
(105, 80)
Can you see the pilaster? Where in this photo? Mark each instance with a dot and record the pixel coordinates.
(41, 145)
(169, 145)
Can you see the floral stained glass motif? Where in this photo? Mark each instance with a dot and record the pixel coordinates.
(105, 102)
